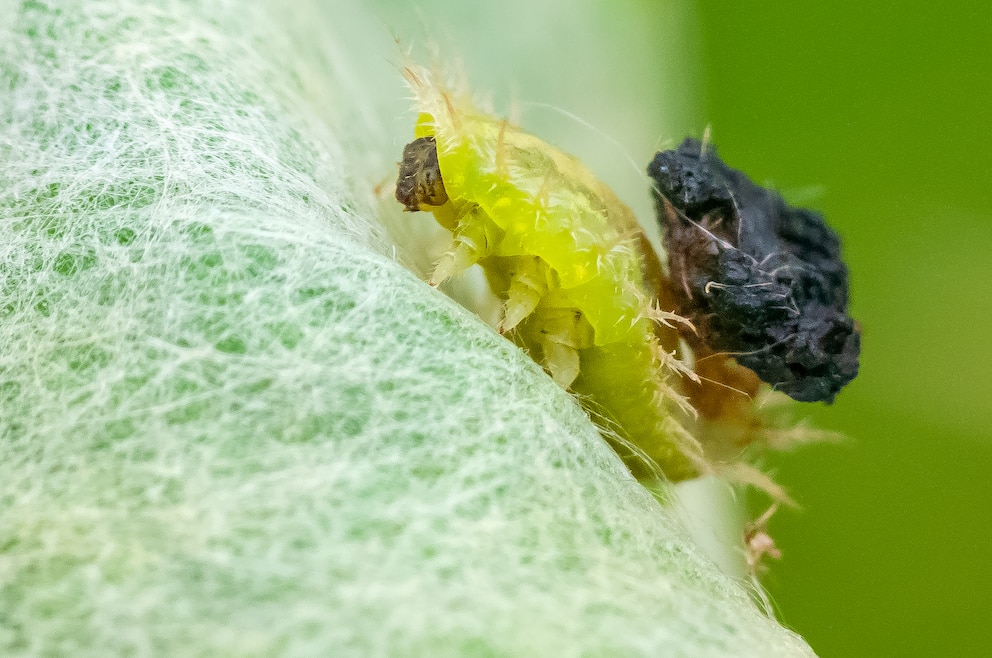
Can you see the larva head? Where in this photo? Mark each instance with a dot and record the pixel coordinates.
(419, 182)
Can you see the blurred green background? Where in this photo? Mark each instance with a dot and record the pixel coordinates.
(879, 115)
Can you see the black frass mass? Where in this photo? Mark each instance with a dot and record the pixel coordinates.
(759, 279)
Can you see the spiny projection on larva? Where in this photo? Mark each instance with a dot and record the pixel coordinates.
(572, 267)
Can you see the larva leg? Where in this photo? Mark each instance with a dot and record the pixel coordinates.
(528, 283)
(473, 240)
(456, 260)
(562, 333)
(561, 360)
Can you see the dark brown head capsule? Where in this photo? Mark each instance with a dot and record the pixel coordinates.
(759, 279)
(419, 183)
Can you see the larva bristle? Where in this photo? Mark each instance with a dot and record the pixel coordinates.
(665, 394)
(669, 318)
(674, 364)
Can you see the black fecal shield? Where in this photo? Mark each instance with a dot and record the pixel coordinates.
(759, 279)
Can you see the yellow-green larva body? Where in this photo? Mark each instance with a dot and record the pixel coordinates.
(565, 255)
